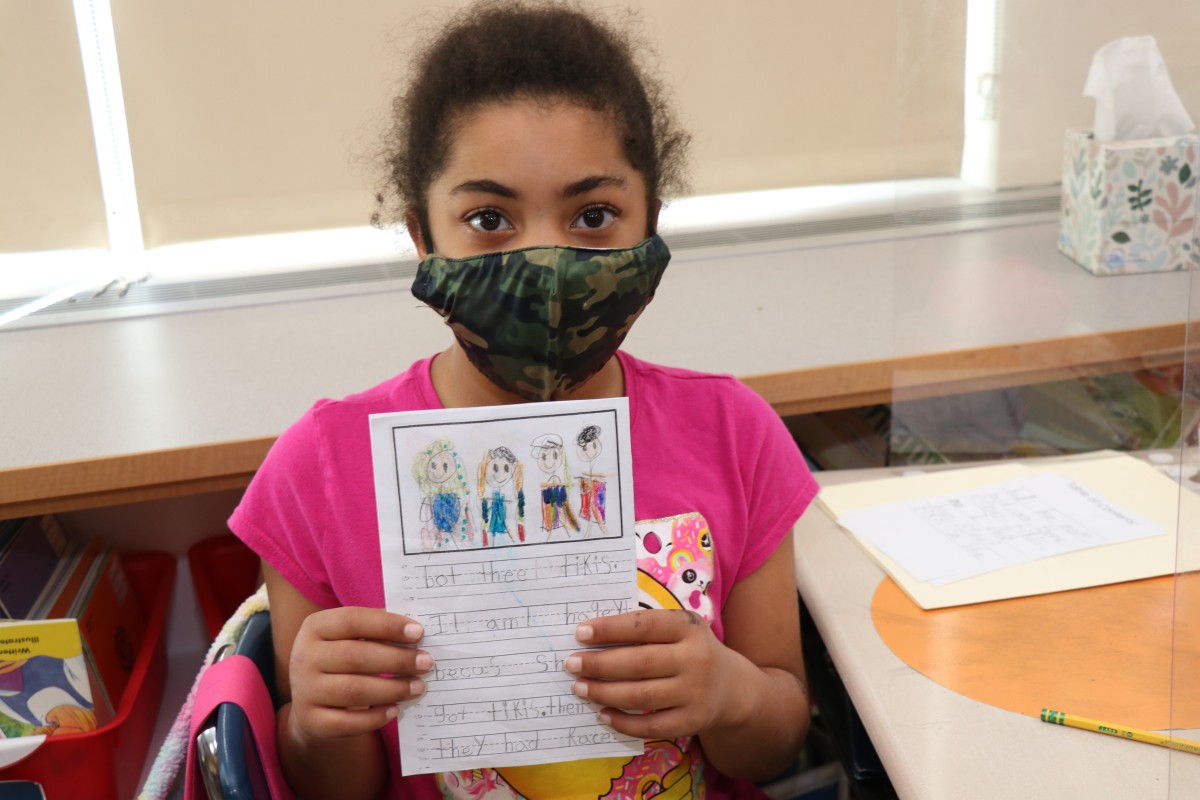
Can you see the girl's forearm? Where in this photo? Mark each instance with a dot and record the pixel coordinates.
(767, 728)
(348, 768)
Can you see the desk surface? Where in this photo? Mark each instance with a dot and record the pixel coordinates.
(132, 409)
(940, 745)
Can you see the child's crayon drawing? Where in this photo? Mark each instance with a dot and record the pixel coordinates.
(500, 598)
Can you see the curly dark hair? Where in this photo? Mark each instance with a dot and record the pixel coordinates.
(590, 433)
(503, 49)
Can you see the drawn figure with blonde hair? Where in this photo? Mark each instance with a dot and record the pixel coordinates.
(445, 513)
(592, 484)
(556, 511)
(500, 475)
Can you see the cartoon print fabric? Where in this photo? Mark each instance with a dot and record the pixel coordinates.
(676, 566)
(676, 555)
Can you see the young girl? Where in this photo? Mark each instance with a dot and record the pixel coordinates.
(529, 157)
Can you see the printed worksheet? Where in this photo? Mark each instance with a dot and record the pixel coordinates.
(954, 536)
(501, 530)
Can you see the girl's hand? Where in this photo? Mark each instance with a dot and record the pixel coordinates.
(349, 668)
(679, 673)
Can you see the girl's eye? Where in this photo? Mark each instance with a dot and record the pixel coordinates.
(489, 221)
(595, 218)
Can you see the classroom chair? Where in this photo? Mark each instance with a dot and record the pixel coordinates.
(231, 764)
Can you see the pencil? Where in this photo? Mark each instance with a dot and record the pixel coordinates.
(1121, 731)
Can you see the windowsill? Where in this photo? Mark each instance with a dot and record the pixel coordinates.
(80, 274)
(171, 404)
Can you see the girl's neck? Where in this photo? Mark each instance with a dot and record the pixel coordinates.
(459, 384)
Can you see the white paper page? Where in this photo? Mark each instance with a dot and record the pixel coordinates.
(954, 536)
(500, 616)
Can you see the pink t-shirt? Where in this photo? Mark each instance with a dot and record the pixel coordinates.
(718, 483)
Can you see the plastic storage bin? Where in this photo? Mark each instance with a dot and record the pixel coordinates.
(105, 764)
(224, 572)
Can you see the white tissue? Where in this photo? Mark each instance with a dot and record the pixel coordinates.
(1133, 92)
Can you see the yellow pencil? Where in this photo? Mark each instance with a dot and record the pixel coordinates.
(1121, 731)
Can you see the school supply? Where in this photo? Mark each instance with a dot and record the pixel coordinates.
(500, 615)
(21, 790)
(68, 579)
(30, 552)
(1120, 481)
(44, 683)
(1120, 731)
(106, 763)
(47, 575)
(112, 624)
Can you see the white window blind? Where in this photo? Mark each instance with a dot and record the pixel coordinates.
(49, 184)
(255, 118)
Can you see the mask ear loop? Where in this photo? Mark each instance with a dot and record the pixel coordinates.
(426, 236)
(653, 208)
(418, 219)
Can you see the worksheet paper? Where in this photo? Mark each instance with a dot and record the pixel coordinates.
(501, 530)
(950, 537)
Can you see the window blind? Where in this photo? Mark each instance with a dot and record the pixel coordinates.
(49, 181)
(264, 117)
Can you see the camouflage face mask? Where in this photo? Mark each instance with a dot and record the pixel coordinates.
(539, 322)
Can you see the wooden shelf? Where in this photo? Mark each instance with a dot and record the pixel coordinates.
(144, 408)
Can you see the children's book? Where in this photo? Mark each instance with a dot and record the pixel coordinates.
(68, 579)
(44, 682)
(21, 790)
(31, 549)
(112, 624)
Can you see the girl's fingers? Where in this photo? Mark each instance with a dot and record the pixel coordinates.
(644, 626)
(354, 622)
(625, 663)
(647, 695)
(362, 657)
(328, 723)
(350, 667)
(357, 692)
(669, 724)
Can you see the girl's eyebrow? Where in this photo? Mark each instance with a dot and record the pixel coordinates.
(592, 182)
(582, 186)
(485, 185)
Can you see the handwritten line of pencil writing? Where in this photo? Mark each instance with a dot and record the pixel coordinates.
(522, 741)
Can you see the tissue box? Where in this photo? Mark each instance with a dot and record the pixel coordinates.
(1130, 206)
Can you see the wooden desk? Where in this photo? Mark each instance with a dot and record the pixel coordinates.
(939, 745)
(133, 409)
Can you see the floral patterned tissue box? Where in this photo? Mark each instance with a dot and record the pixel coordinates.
(1130, 206)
